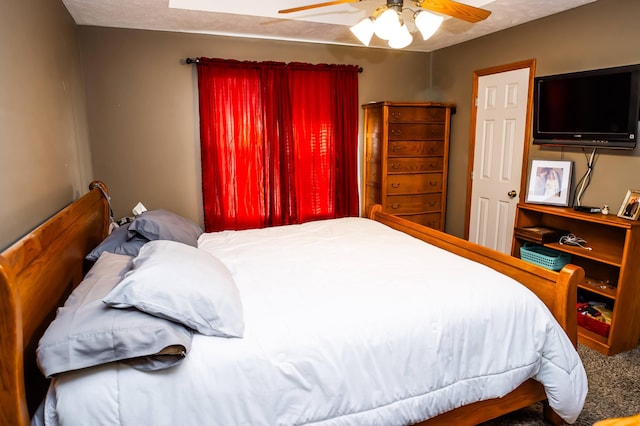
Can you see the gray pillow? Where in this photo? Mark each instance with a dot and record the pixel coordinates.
(183, 284)
(164, 225)
(86, 332)
(118, 242)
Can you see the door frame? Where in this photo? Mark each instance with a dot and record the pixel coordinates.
(528, 63)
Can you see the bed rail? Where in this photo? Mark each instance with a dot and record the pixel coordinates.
(558, 290)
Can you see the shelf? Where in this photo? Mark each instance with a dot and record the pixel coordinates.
(568, 212)
(603, 289)
(593, 340)
(610, 257)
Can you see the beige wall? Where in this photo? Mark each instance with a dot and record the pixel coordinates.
(143, 112)
(598, 35)
(142, 104)
(44, 153)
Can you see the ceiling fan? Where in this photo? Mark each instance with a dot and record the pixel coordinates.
(445, 7)
(388, 24)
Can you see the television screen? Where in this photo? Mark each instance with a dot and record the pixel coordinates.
(589, 108)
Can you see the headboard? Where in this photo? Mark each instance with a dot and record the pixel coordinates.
(37, 273)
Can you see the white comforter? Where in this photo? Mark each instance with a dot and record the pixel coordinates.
(347, 322)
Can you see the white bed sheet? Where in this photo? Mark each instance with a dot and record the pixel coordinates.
(347, 322)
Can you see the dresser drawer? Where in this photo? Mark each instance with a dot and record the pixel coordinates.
(401, 113)
(432, 220)
(415, 148)
(413, 165)
(414, 183)
(420, 203)
(416, 131)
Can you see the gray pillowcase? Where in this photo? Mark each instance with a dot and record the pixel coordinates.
(165, 225)
(183, 284)
(86, 332)
(118, 242)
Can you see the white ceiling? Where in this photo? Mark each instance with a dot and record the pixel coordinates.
(327, 25)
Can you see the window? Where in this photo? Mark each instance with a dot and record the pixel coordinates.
(278, 142)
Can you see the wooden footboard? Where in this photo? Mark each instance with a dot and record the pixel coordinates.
(558, 290)
(37, 274)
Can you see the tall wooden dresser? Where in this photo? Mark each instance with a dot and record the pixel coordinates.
(406, 159)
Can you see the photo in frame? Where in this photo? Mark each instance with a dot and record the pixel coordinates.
(550, 182)
(630, 208)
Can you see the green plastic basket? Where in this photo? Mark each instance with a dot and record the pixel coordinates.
(544, 256)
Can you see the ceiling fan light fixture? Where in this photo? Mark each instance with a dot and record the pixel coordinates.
(427, 23)
(387, 21)
(401, 38)
(387, 24)
(364, 30)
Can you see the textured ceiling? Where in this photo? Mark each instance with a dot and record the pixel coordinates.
(327, 25)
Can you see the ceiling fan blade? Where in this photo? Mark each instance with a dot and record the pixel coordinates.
(316, 5)
(455, 9)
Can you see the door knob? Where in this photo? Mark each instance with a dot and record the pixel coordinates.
(512, 193)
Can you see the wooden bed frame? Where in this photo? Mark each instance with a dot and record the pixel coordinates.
(39, 271)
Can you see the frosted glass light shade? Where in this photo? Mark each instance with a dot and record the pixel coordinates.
(401, 38)
(387, 24)
(363, 30)
(427, 23)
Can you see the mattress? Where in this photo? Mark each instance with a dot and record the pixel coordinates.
(347, 322)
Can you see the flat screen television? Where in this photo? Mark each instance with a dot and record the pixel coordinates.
(597, 108)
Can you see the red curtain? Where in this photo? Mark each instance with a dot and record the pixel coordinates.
(278, 142)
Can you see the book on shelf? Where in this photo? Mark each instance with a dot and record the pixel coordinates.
(539, 234)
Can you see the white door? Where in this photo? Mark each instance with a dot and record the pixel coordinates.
(501, 123)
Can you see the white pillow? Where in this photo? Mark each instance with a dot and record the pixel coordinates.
(119, 242)
(86, 332)
(181, 283)
(164, 225)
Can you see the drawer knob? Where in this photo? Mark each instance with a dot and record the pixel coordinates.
(395, 166)
(433, 183)
(396, 132)
(396, 115)
(395, 206)
(395, 185)
(432, 204)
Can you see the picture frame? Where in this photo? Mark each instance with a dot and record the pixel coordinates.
(550, 182)
(630, 208)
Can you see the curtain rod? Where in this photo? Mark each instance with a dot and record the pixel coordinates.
(190, 61)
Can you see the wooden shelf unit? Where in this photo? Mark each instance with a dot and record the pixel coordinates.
(611, 266)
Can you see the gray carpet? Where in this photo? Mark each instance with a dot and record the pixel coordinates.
(614, 391)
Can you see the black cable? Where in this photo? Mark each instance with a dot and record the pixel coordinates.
(577, 196)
